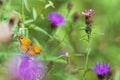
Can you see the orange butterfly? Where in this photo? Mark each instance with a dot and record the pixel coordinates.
(28, 46)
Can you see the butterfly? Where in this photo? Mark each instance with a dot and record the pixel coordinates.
(28, 46)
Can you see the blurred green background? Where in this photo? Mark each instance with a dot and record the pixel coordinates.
(105, 40)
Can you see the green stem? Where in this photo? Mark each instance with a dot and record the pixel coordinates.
(1, 11)
(22, 5)
(50, 67)
(42, 11)
(59, 57)
(68, 12)
(23, 30)
(87, 57)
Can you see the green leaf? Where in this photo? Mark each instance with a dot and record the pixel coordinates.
(28, 21)
(117, 76)
(98, 33)
(42, 16)
(26, 5)
(36, 41)
(48, 58)
(23, 31)
(42, 0)
(78, 55)
(50, 4)
(34, 14)
(37, 28)
(55, 59)
(60, 61)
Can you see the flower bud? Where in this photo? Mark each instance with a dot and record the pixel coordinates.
(13, 18)
(88, 20)
(88, 17)
(20, 23)
(76, 16)
(70, 6)
(1, 2)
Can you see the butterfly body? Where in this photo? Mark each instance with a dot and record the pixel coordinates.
(28, 46)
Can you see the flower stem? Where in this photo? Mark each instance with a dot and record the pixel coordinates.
(23, 30)
(87, 58)
(50, 67)
(22, 6)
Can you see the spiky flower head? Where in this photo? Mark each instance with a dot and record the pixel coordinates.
(56, 18)
(88, 17)
(24, 67)
(88, 12)
(102, 70)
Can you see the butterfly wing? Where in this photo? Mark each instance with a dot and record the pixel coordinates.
(28, 47)
(24, 48)
(24, 43)
(31, 51)
(35, 49)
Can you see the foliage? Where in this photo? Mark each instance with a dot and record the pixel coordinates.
(80, 54)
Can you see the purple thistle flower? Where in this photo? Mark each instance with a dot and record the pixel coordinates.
(88, 22)
(101, 69)
(88, 13)
(24, 67)
(56, 18)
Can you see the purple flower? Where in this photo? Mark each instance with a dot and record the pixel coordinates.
(63, 53)
(56, 18)
(88, 13)
(24, 67)
(101, 69)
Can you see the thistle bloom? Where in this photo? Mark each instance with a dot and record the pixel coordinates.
(88, 21)
(24, 67)
(88, 13)
(102, 70)
(88, 17)
(56, 18)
